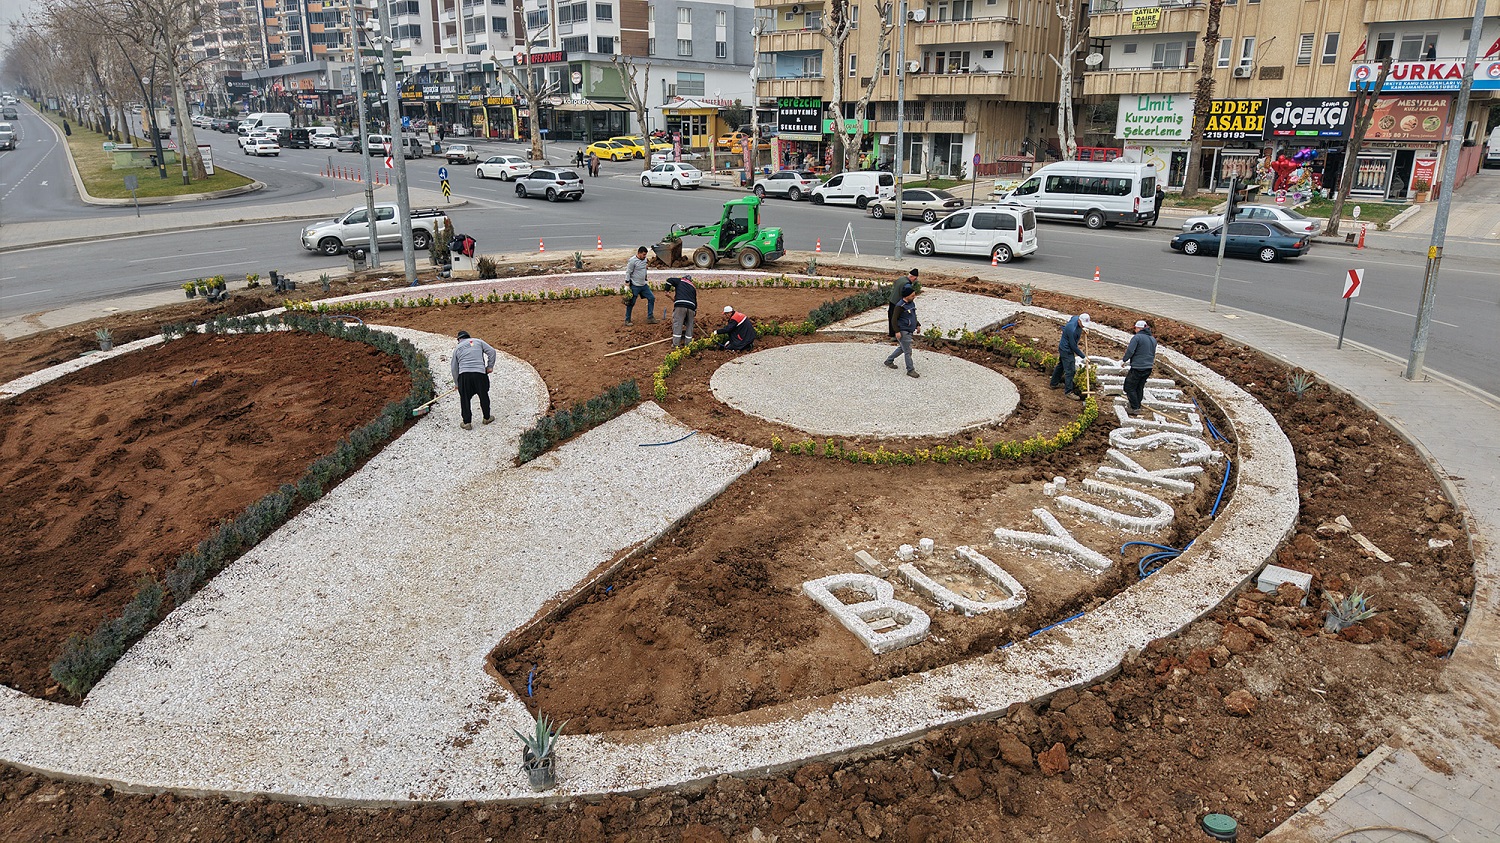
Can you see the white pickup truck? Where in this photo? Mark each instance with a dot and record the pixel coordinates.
(352, 229)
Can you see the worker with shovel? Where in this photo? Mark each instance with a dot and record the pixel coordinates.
(472, 362)
(1068, 355)
(684, 309)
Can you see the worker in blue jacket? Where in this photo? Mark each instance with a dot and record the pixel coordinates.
(684, 309)
(1068, 353)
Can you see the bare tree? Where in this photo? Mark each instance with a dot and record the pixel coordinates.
(531, 84)
(1203, 95)
(837, 27)
(636, 80)
(1364, 110)
(1067, 133)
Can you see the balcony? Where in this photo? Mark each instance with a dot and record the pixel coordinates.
(1384, 11)
(1113, 18)
(1145, 80)
(807, 86)
(789, 40)
(958, 84)
(983, 30)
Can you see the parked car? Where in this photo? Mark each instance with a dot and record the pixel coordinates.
(793, 184)
(1100, 193)
(346, 143)
(201, 121)
(1264, 240)
(503, 167)
(263, 145)
(1001, 232)
(639, 145)
(731, 142)
(930, 205)
(352, 228)
(461, 153)
(673, 175)
(664, 157)
(856, 188)
(552, 182)
(610, 151)
(1289, 219)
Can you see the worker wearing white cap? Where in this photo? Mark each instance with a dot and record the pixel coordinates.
(1140, 357)
(738, 333)
(1068, 355)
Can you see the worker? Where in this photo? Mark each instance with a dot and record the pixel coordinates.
(640, 287)
(1068, 356)
(684, 309)
(738, 333)
(895, 301)
(906, 330)
(473, 361)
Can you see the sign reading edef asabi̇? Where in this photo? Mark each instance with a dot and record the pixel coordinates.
(1235, 120)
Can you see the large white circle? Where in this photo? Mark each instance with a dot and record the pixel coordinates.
(844, 389)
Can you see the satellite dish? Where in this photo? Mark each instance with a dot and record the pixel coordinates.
(1093, 59)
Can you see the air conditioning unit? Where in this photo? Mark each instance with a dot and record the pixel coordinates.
(796, 8)
(916, 15)
(913, 67)
(1243, 71)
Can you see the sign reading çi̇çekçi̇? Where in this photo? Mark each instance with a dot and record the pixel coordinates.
(799, 115)
(1309, 117)
(1235, 120)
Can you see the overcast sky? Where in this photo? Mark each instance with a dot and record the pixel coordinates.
(10, 10)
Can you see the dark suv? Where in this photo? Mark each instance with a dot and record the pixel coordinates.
(294, 138)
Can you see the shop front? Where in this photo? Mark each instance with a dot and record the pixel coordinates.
(800, 144)
(695, 122)
(1156, 129)
(1413, 119)
(1239, 125)
(1313, 132)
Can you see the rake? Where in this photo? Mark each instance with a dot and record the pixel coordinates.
(423, 409)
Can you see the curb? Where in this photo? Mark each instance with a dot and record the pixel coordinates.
(170, 200)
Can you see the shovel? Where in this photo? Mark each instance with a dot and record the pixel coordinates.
(423, 409)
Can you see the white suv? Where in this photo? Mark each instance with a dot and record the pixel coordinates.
(792, 184)
(1000, 232)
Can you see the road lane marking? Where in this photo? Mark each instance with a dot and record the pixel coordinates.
(185, 255)
(1403, 313)
(203, 268)
(30, 293)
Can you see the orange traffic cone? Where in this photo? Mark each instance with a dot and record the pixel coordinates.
(1362, 227)
(600, 247)
(1096, 275)
(995, 258)
(819, 247)
(542, 244)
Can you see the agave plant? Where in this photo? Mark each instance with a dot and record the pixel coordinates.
(1026, 291)
(1299, 383)
(1347, 611)
(539, 745)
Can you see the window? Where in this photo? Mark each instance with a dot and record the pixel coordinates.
(1385, 45)
(1088, 185)
(564, 14)
(854, 19)
(721, 18)
(684, 47)
(885, 63)
(853, 65)
(605, 44)
(690, 85)
(1247, 51)
(1167, 54)
(500, 25)
(684, 14)
(1330, 48)
(1305, 49)
(812, 66)
(575, 44)
(721, 49)
(948, 110)
(813, 20)
(1224, 47)
(604, 11)
(537, 19)
(767, 66)
(1129, 49)
(650, 46)
(1417, 46)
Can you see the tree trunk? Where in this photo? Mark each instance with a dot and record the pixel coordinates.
(188, 143)
(1066, 135)
(1203, 92)
(1364, 112)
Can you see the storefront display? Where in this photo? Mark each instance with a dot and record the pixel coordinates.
(1238, 163)
(1372, 174)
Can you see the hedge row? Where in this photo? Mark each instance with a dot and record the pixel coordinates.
(85, 659)
(584, 415)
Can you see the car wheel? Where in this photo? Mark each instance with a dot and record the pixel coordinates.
(421, 240)
(929, 216)
(645, 182)
(925, 248)
(330, 246)
(1266, 254)
(479, 173)
(877, 211)
(817, 198)
(794, 194)
(760, 191)
(1094, 220)
(505, 175)
(1190, 247)
(749, 258)
(704, 257)
(1001, 253)
(861, 202)
(521, 190)
(551, 195)
(676, 185)
(1199, 226)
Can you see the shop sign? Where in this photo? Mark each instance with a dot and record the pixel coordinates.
(542, 57)
(799, 115)
(1145, 18)
(411, 94)
(1424, 170)
(1235, 120)
(1426, 75)
(1310, 117)
(1154, 116)
(497, 101)
(1409, 119)
(851, 126)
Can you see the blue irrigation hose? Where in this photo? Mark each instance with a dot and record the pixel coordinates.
(1152, 562)
(1011, 325)
(1212, 431)
(1228, 464)
(673, 442)
(530, 676)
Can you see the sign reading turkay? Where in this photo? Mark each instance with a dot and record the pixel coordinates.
(1309, 117)
(1161, 117)
(1235, 120)
(1426, 75)
(799, 115)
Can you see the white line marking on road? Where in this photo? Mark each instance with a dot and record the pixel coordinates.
(30, 293)
(184, 255)
(202, 268)
(1403, 313)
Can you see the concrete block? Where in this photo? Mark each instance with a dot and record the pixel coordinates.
(1013, 594)
(863, 618)
(1274, 575)
(1193, 426)
(1189, 448)
(871, 564)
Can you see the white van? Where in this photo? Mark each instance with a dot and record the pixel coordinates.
(1492, 149)
(1099, 193)
(856, 188)
(411, 146)
(267, 120)
(999, 232)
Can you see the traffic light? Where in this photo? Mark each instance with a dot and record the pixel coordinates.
(1239, 194)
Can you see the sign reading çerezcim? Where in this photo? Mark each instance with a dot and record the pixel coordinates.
(1426, 75)
(1235, 120)
(1309, 117)
(799, 116)
(1154, 117)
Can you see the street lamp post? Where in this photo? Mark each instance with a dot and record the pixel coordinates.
(364, 148)
(900, 118)
(398, 150)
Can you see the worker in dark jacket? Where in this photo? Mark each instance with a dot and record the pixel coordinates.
(684, 309)
(1068, 353)
(906, 330)
(895, 303)
(738, 333)
(1140, 357)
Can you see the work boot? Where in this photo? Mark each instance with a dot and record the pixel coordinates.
(466, 426)
(912, 373)
(890, 365)
(650, 320)
(488, 419)
(627, 321)
(1073, 396)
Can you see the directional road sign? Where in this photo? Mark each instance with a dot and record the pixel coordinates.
(447, 191)
(1352, 283)
(443, 173)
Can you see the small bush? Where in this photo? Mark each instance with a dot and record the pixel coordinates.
(585, 415)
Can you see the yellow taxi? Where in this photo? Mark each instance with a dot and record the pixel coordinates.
(732, 142)
(636, 146)
(610, 151)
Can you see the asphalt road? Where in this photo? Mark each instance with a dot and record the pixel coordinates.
(616, 209)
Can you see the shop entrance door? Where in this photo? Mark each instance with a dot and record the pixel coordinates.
(1401, 173)
(913, 163)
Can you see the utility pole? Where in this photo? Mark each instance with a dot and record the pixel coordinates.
(398, 142)
(1445, 200)
(364, 148)
(900, 118)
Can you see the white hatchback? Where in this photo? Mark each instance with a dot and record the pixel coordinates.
(672, 174)
(264, 145)
(1000, 232)
(503, 167)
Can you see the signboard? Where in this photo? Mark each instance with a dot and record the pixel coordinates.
(1352, 282)
(1145, 18)
(850, 126)
(1424, 170)
(1310, 117)
(1426, 75)
(1156, 117)
(1410, 118)
(542, 57)
(206, 152)
(496, 101)
(1235, 120)
(443, 173)
(799, 116)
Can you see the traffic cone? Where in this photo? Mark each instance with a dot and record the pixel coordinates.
(819, 247)
(1096, 275)
(1362, 228)
(995, 258)
(600, 247)
(542, 244)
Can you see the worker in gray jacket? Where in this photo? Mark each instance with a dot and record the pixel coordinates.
(1140, 357)
(640, 286)
(472, 362)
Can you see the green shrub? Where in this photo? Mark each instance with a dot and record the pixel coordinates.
(584, 415)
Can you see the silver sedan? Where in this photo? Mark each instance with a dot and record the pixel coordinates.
(1289, 219)
(929, 205)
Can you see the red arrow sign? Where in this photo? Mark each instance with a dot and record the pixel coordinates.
(390, 163)
(1352, 283)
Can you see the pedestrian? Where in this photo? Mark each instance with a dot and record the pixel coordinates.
(906, 327)
(1140, 357)
(640, 286)
(738, 332)
(1068, 353)
(442, 133)
(593, 163)
(473, 360)
(1156, 209)
(684, 309)
(578, 157)
(67, 130)
(895, 301)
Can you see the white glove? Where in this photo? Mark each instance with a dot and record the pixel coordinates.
(1080, 362)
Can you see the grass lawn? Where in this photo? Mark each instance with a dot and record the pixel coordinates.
(1379, 213)
(934, 184)
(1201, 202)
(101, 180)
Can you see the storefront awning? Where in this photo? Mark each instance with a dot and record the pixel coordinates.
(593, 106)
(689, 105)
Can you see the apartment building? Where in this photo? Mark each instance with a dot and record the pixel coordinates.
(977, 74)
(1284, 72)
